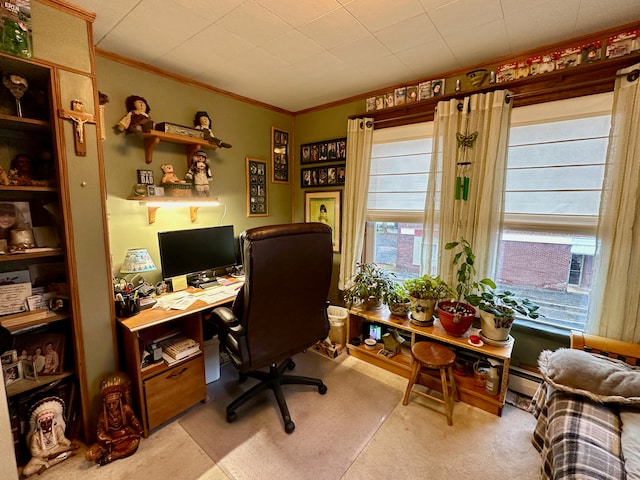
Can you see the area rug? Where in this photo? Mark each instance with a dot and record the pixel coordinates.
(331, 429)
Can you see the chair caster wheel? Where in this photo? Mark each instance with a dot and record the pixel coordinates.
(322, 389)
(231, 417)
(289, 427)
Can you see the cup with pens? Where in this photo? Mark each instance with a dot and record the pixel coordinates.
(127, 304)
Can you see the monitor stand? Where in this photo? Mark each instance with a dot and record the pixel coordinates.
(203, 281)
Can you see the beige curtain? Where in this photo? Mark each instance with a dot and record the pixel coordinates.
(359, 141)
(614, 303)
(470, 142)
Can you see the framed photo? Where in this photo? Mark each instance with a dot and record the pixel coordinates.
(45, 350)
(145, 177)
(279, 156)
(12, 373)
(332, 175)
(257, 199)
(9, 357)
(325, 207)
(324, 152)
(29, 370)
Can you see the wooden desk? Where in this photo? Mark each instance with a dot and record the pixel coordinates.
(159, 391)
(468, 391)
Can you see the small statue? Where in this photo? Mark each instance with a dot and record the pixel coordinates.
(118, 431)
(202, 121)
(199, 174)
(169, 175)
(47, 442)
(138, 119)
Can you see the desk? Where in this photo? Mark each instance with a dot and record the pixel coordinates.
(159, 391)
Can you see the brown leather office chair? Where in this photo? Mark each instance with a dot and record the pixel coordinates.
(281, 310)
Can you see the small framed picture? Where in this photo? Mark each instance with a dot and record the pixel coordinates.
(325, 207)
(151, 191)
(145, 177)
(257, 199)
(45, 350)
(29, 369)
(9, 357)
(279, 156)
(12, 373)
(159, 191)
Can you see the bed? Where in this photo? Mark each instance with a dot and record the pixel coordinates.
(588, 410)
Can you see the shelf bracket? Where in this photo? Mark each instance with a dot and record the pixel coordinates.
(193, 213)
(151, 212)
(149, 146)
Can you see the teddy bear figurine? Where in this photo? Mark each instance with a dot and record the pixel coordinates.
(169, 175)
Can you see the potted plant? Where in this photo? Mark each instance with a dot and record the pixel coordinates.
(498, 311)
(398, 301)
(456, 316)
(423, 294)
(370, 287)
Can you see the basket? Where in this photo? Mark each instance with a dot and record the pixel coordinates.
(177, 189)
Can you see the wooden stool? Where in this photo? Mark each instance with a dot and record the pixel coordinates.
(434, 356)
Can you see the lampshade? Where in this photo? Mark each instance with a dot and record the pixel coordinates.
(137, 260)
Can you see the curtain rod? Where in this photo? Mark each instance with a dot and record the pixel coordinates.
(630, 77)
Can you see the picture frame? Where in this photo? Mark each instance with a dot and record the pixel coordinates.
(9, 357)
(279, 156)
(145, 177)
(45, 350)
(334, 150)
(325, 207)
(257, 194)
(329, 176)
(29, 370)
(12, 373)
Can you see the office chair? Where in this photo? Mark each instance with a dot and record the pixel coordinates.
(280, 311)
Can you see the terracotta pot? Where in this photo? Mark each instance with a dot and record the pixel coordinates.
(489, 329)
(455, 323)
(422, 308)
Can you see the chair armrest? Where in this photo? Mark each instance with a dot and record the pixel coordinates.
(229, 321)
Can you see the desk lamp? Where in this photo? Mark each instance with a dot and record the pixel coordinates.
(137, 260)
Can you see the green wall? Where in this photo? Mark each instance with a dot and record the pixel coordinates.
(246, 126)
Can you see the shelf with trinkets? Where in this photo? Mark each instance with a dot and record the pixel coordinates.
(193, 203)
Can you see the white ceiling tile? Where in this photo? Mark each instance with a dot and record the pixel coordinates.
(335, 28)
(480, 44)
(408, 33)
(298, 13)
(456, 17)
(254, 23)
(292, 47)
(378, 14)
(429, 59)
(110, 14)
(598, 15)
(364, 50)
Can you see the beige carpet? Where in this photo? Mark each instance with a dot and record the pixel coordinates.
(331, 430)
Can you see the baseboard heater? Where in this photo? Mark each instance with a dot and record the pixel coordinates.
(524, 381)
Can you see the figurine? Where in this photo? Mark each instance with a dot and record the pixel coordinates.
(4, 177)
(118, 430)
(47, 442)
(20, 170)
(202, 121)
(138, 119)
(199, 174)
(169, 175)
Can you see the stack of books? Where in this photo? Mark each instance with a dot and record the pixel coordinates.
(178, 348)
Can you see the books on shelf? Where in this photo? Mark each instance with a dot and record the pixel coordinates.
(179, 347)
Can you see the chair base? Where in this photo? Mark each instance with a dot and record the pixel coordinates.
(274, 379)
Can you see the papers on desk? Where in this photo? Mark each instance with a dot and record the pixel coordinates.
(177, 301)
(183, 300)
(220, 293)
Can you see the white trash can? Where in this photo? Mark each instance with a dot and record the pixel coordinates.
(212, 359)
(337, 319)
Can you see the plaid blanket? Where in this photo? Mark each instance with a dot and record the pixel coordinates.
(576, 437)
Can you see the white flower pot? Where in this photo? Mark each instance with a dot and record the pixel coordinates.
(489, 329)
(422, 308)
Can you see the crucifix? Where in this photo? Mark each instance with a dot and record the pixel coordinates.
(78, 116)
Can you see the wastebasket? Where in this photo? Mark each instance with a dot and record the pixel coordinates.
(212, 359)
(337, 319)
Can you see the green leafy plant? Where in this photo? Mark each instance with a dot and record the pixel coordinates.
(427, 286)
(465, 259)
(370, 282)
(398, 294)
(504, 305)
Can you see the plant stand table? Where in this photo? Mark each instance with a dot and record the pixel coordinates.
(400, 363)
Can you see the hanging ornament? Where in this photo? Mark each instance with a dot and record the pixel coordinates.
(462, 180)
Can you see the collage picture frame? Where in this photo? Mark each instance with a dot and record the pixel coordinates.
(325, 207)
(279, 156)
(257, 194)
(334, 150)
(332, 175)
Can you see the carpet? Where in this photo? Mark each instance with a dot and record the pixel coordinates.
(331, 429)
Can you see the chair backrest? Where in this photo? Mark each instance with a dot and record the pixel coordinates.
(283, 306)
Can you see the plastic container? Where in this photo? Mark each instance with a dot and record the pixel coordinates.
(212, 359)
(337, 319)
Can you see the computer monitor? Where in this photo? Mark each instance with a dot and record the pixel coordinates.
(198, 253)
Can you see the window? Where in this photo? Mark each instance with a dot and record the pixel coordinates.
(554, 179)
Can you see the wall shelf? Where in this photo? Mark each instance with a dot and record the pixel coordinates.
(153, 203)
(154, 137)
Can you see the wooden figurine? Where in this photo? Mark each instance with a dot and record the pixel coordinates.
(46, 438)
(137, 119)
(199, 174)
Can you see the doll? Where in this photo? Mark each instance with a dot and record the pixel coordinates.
(199, 174)
(202, 121)
(138, 119)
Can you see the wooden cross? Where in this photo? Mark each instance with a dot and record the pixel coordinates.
(78, 116)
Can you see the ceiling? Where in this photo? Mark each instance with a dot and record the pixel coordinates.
(298, 54)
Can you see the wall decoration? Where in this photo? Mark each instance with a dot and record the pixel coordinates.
(279, 156)
(325, 207)
(323, 152)
(332, 175)
(257, 199)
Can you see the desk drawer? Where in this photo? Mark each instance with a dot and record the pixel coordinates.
(175, 390)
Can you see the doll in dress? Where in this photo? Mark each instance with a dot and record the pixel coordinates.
(199, 174)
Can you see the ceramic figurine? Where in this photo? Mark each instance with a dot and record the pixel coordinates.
(202, 121)
(118, 431)
(199, 174)
(46, 438)
(138, 118)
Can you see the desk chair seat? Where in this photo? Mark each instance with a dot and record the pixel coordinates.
(280, 311)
